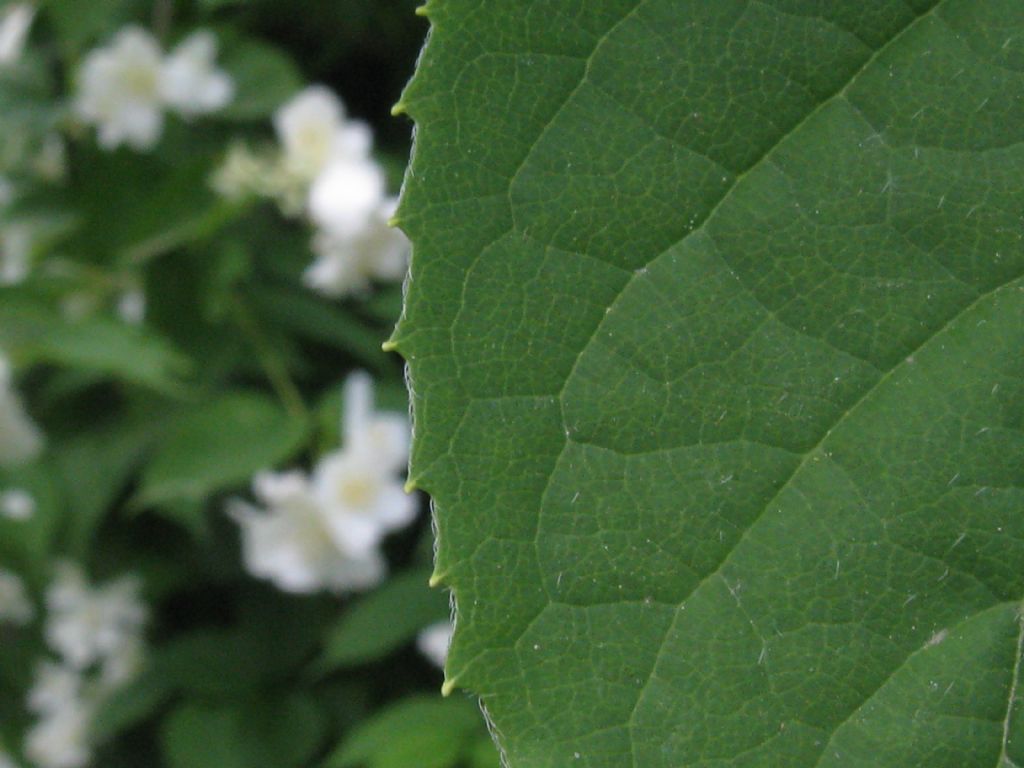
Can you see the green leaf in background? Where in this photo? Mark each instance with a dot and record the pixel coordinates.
(313, 318)
(715, 329)
(129, 706)
(35, 334)
(285, 732)
(198, 736)
(271, 734)
(218, 445)
(134, 209)
(383, 621)
(265, 77)
(28, 542)
(78, 24)
(418, 732)
(95, 467)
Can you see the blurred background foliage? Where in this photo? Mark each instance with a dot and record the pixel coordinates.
(236, 367)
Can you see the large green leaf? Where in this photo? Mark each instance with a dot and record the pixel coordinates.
(715, 327)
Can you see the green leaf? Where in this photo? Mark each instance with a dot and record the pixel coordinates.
(28, 542)
(384, 621)
(271, 734)
(715, 331)
(212, 663)
(95, 465)
(219, 445)
(128, 706)
(271, 637)
(284, 733)
(77, 24)
(134, 209)
(312, 317)
(96, 345)
(200, 736)
(418, 732)
(265, 77)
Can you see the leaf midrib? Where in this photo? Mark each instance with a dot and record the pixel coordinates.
(1004, 760)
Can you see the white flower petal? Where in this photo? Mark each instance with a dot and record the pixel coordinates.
(21, 440)
(15, 605)
(290, 543)
(307, 127)
(357, 402)
(433, 642)
(60, 739)
(86, 625)
(346, 196)
(17, 504)
(395, 508)
(189, 79)
(14, 29)
(55, 687)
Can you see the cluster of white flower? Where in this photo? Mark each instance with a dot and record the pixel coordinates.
(326, 170)
(96, 633)
(20, 438)
(323, 531)
(124, 87)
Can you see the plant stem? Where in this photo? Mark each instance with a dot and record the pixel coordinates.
(271, 363)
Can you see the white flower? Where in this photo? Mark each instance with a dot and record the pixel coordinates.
(20, 439)
(86, 625)
(17, 241)
(290, 544)
(362, 501)
(324, 533)
(190, 82)
(122, 667)
(433, 642)
(60, 738)
(240, 174)
(15, 606)
(14, 26)
(131, 306)
(17, 504)
(119, 90)
(346, 265)
(358, 486)
(314, 133)
(384, 435)
(347, 197)
(52, 161)
(56, 687)
(78, 305)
